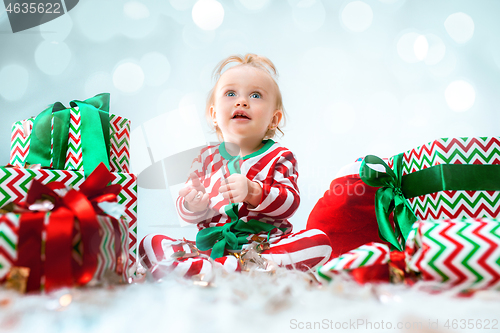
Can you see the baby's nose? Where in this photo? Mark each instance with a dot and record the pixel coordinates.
(242, 103)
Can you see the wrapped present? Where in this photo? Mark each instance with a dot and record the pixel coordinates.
(15, 182)
(372, 262)
(446, 178)
(461, 253)
(458, 252)
(75, 138)
(62, 237)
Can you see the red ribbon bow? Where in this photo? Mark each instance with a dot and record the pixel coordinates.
(57, 229)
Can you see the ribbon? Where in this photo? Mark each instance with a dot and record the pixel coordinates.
(59, 269)
(388, 198)
(95, 137)
(231, 235)
(395, 189)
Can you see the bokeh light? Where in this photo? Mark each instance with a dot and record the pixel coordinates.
(460, 96)
(253, 5)
(235, 42)
(57, 30)
(308, 15)
(446, 66)
(156, 68)
(208, 14)
(52, 57)
(460, 27)
(182, 4)
(406, 47)
(136, 10)
(197, 38)
(436, 49)
(13, 82)
(138, 22)
(421, 47)
(357, 16)
(98, 25)
(128, 77)
(97, 83)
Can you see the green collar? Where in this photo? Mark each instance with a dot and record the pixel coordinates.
(267, 144)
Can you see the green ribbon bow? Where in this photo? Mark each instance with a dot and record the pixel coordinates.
(231, 235)
(94, 117)
(388, 198)
(234, 234)
(395, 189)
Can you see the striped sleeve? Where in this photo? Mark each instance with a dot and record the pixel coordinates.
(184, 213)
(280, 197)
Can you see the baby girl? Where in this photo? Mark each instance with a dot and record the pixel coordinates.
(243, 190)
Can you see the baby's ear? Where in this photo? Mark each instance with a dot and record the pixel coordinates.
(277, 116)
(211, 110)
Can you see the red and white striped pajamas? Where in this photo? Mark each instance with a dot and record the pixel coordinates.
(274, 168)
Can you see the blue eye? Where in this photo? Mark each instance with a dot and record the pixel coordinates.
(255, 95)
(230, 94)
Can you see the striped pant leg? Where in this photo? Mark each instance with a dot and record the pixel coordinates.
(156, 250)
(158, 247)
(303, 250)
(185, 268)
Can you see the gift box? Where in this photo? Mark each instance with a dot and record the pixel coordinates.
(458, 252)
(372, 262)
(453, 204)
(62, 237)
(461, 253)
(70, 136)
(446, 178)
(15, 182)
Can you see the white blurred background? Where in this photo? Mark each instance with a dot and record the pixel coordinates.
(358, 77)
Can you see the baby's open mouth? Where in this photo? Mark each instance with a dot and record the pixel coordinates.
(238, 115)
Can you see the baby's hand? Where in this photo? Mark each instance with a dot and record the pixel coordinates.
(195, 197)
(235, 188)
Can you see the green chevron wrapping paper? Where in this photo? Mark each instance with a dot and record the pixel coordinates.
(20, 141)
(454, 204)
(119, 129)
(462, 253)
(367, 255)
(15, 182)
(106, 257)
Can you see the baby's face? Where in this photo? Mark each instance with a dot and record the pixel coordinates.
(245, 103)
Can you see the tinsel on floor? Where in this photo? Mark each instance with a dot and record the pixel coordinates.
(250, 302)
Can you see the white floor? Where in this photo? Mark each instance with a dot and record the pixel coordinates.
(283, 302)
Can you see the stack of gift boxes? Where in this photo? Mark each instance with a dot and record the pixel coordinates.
(74, 148)
(437, 210)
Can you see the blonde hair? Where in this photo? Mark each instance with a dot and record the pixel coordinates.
(255, 61)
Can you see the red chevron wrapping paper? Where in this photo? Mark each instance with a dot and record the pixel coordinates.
(463, 253)
(15, 182)
(367, 263)
(106, 257)
(20, 141)
(119, 156)
(454, 204)
(460, 252)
